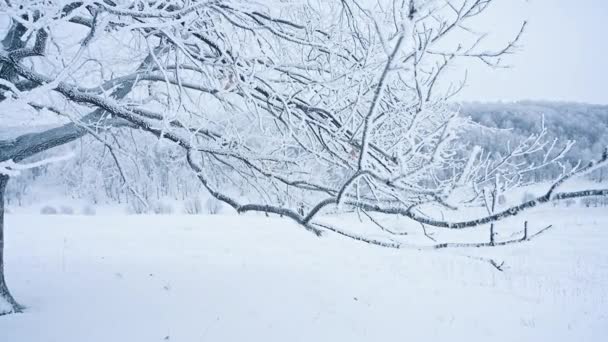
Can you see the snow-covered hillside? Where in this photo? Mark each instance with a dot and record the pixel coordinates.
(252, 278)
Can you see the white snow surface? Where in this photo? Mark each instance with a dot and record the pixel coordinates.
(251, 278)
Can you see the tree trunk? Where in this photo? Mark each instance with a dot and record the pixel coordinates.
(5, 295)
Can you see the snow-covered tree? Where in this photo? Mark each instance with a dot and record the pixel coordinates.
(285, 107)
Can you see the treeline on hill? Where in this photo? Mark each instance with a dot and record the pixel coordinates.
(147, 173)
(585, 124)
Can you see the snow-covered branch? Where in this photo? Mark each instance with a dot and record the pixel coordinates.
(273, 107)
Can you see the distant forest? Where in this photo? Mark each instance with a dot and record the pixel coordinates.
(585, 124)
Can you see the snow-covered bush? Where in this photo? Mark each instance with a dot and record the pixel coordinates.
(213, 206)
(528, 196)
(193, 206)
(569, 202)
(137, 207)
(161, 208)
(502, 200)
(590, 202)
(66, 210)
(48, 210)
(88, 210)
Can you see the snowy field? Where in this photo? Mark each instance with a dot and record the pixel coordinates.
(251, 278)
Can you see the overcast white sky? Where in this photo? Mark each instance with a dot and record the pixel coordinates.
(564, 54)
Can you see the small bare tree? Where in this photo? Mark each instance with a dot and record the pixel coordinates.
(308, 105)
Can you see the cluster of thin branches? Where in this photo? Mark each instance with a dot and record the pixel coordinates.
(308, 105)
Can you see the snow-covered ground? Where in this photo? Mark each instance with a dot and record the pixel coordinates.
(252, 278)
